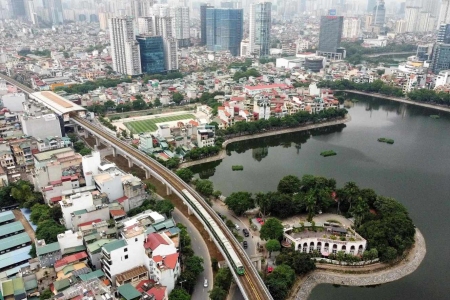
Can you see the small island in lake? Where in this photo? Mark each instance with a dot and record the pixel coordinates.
(328, 153)
(385, 140)
(237, 168)
(434, 116)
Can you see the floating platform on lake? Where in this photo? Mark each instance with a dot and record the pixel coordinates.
(434, 116)
(237, 168)
(385, 140)
(328, 153)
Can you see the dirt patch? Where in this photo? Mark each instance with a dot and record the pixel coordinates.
(91, 142)
(122, 163)
(28, 229)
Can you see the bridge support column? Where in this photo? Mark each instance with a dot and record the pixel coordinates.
(130, 162)
(168, 190)
(114, 151)
(97, 141)
(147, 174)
(189, 211)
(259, 265)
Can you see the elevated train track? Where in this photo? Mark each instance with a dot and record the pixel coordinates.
(251, 282)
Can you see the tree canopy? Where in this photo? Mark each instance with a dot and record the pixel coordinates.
(272, 229)
(240, 202)
(185, 174)
(204, 187)
(280, 281)
(179, 294)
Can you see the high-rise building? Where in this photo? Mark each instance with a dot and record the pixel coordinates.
(224, 29)
(125, 52)
(54, 11)
(379, 14)
(31, 12)
(170, 54)
(231, 4)
(203, 8)
(426, 22)
(444, 15)
(441, 58)
(260, 25)
(431, 6)
(400, 26)
(330, 33)
(444, 34)
(17, 8)
(370, 5)
(180, 24)
(411, 18)
(152, 54)
(351, 28)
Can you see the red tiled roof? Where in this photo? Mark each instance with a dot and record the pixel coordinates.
(268, 86)
(159, 292)
(117, 213)
(55, 182)
(90, 222)
(122, 199)
(56, 199)
(140, 285)
(154, 240)
(70, 259)
(65, 178)
(169, 261)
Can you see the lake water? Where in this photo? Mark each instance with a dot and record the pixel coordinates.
(415, 170)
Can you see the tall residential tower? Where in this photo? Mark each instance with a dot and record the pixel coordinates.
(124, 48)
(224, 29)
(260, 25)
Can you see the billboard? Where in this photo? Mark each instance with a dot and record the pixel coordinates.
(332, 12)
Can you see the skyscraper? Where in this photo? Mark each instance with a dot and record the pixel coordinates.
(370, 5)
(54, 11)
(444, 34)
(412, 18)
(180, 24)
(260, 25)
(441, 58)
(152, 54)
(444, 15)
(379, 14)
(351, 28)
(125, 52)
(203, 8)
(17, 8)
(330, 33)
(224, 29)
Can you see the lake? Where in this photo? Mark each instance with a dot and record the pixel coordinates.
(415, 170)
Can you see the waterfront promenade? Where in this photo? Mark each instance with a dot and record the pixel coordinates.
(222, 154)
(373, 277)
(402, 100)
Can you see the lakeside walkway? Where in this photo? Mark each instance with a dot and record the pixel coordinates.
(403, 100)
(222, 154)
(398, 271)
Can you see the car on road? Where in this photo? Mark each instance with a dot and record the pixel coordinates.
(237, 226)
(245, 245)
(269, 269)
(246, 233)
(260, 221)
(205, 284)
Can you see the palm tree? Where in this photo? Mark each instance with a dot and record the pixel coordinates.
(310, 204)
(359, 211)
(351, 192)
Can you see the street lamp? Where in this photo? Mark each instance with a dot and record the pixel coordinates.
(181, 283)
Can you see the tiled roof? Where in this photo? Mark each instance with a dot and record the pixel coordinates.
(154, 240)
(169, 261)
(158, 292)
(114, 245)
(131, 273)
(70, 259)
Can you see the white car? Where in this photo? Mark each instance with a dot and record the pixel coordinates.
(205, 284)
(237, 226)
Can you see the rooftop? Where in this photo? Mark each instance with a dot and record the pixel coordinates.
(129, 292)
(11, 228)
(41, 156)
(117, 244)
(53, 247)
(6, 216)
(56, 103)
(14, 241)
(154, 240)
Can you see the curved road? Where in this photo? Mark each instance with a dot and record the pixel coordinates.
(200, 249)
(404, 268)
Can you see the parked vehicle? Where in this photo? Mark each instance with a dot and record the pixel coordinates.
(245, 245)
(246, 233)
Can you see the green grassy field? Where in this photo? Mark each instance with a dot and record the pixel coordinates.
(149, 125)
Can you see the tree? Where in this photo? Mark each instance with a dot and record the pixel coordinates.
(218, 293)
(85, 151)
(310, 204)
(177, 98)
(157, 102)
(164, 206)
(139, 104)
(280, 281)
(48, 231)
(56, 213)
(179, 294)
(47, 294)
(216, 194)
(40, 213)
(223, 278)
(289, 184)
(240, 202)
(273, 245)
(214, 264)
(73, 137)
(204, 187)
(78, 146)
(185, 174)
(272, 229)
(22, 192)
(390, 254)
(194, 264)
